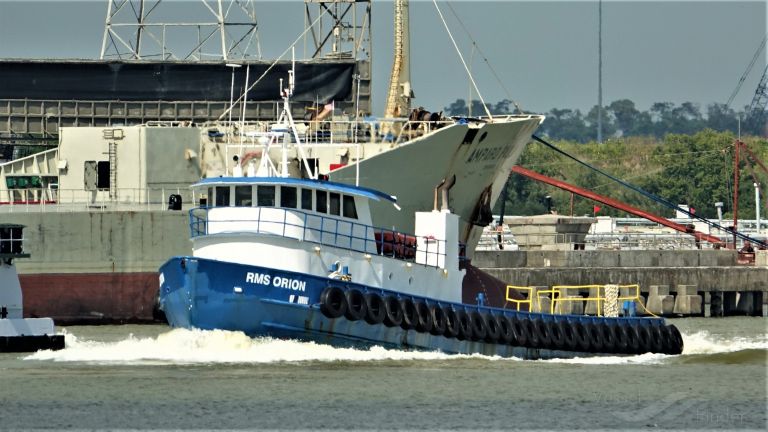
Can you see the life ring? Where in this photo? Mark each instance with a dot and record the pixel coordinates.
(676, 340)
(375, 311)
(506, 334)
(581, 337)
(656, 343)
(492, 330)
(423, 318)
(479, 330)
(438, 320)
(355, 305)
(531, 334)
(333, 303)
(644, 338)
(394, 314)
(595, 337)
(542, 331)
(451, 323)
(609, 342)
(620, 342)
(633, 340)
(465, 325)
(519, 337)
(409, 313)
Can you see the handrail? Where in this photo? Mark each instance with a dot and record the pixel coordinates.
(53, 199)
(517, 302)
(559, 293)
(323, 230)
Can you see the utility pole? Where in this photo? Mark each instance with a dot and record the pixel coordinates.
(600, 71)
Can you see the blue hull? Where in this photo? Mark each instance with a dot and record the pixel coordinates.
(208, 294)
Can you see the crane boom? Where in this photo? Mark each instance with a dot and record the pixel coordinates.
(698, 235)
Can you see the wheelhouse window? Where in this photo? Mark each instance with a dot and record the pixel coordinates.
(222, 196)
(306, 199)
(321, 201)
(243, 196)
(349, 207)
(288, 196)
(265, 196)
(335, 201)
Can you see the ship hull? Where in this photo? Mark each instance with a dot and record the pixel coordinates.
(210, 294)
(100, 264)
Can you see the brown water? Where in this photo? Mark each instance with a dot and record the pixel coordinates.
(151, 377)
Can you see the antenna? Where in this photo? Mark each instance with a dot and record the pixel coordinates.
(137, 30)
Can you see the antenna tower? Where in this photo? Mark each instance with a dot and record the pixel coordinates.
(200, 30)
(343, 32)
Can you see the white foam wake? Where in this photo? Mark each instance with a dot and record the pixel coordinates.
(702, 342)
(182, 346)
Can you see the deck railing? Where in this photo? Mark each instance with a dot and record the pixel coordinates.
(52, 199)
(322, 230)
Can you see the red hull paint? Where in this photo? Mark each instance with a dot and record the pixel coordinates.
(90, 297)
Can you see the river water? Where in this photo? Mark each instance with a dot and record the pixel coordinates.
(152, 377)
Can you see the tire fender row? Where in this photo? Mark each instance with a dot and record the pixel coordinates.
(495, 328)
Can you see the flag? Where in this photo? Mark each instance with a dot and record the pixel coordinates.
(595, 209)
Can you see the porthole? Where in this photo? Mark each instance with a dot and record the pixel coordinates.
(483, 136)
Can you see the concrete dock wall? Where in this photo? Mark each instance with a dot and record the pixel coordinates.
(581, 258)
(688, 282)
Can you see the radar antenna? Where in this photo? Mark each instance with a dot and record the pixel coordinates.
(136, 30)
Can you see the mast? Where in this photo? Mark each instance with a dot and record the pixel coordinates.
(400, 93)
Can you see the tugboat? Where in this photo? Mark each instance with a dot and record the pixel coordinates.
(19, 334)
(299, 258)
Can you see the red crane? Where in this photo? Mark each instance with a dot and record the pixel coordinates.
(699, 236)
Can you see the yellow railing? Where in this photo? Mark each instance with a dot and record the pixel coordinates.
(560, 294)
(519, 302)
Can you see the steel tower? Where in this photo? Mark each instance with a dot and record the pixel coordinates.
(190, 30)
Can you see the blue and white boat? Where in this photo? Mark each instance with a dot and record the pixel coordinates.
(300, 258)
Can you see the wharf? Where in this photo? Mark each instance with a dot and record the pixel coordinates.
(711, 281)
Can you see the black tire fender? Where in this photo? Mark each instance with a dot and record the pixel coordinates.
(423, 318)
(333, 303)
(582, 337)
(620, 338)
(520, 337)
(542, 331)
(644, 338)
(375, 311)
(479, 330)
(451, 323)
(438, 320)
(595, 338)
(506, 334)
(409, 313)
(356, 307)
(633, 340)
(676, 339)
(394, 313)
(531, 334)
(492, 330)
(465, 325)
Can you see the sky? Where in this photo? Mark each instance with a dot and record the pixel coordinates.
(544, 52)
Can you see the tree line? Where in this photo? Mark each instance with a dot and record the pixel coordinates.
(690, 169)
(621, 118)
